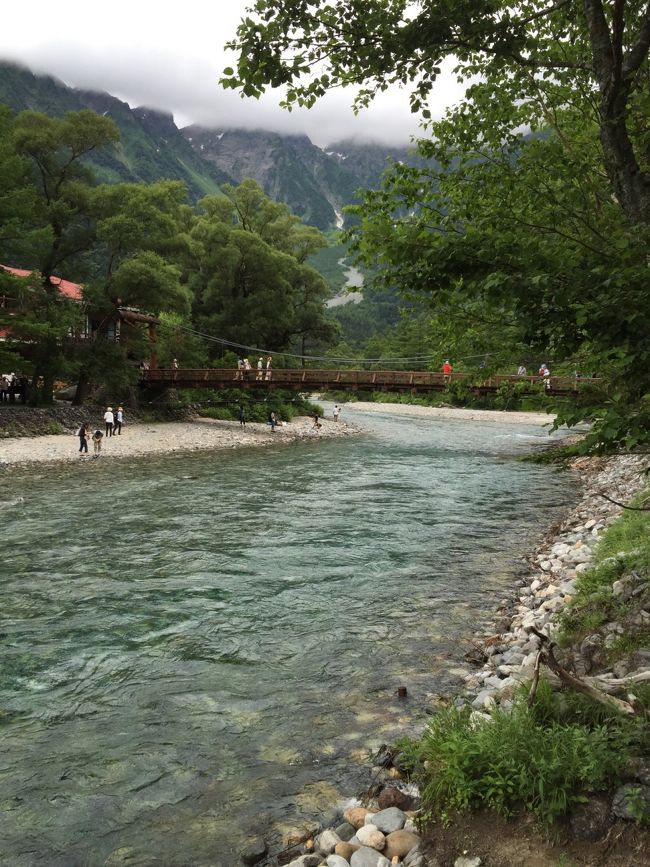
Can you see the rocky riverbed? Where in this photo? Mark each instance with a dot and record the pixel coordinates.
(383, 831)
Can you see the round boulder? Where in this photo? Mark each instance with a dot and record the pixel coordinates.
(632, 802)
(254, 852)
(392, 797)
(346, 850)
(356, 816)
(336, 861)
(366, 857)
(400, 843)
(371, 836)
(326, 842)
(389, 820)
(591, 820)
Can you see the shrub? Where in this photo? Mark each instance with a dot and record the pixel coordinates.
(544, 759)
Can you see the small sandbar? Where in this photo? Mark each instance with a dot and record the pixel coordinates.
(482, 415)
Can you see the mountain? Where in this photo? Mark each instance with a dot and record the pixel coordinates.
(289, 168)
(151, 147)
(315, 182)
(369, 160)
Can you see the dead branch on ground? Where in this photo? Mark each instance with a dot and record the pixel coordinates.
(629, 708)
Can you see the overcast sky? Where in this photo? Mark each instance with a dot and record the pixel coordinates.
(170, 56)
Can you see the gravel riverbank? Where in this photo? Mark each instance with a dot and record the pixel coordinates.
(167, 437)
(461, 414)
(142, 438)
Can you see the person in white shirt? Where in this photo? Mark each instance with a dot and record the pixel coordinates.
(336, 412)
(109, 418)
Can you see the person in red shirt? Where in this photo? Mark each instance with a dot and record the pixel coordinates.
(447, 370)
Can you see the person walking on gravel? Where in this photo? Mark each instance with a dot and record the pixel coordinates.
(109, 418)
(83, 434)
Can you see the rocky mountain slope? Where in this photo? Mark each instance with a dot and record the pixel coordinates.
(315, 182)
(151, 147)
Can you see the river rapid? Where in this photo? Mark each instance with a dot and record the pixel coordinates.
(197, 648)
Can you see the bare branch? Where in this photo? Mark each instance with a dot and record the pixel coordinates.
(623, 506)
(535, 681)
(580, 686)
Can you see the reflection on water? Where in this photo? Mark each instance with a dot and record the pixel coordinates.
(194, 647)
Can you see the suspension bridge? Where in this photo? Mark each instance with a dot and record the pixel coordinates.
(311, 379)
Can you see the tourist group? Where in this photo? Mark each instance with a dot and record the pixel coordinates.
(113, 423)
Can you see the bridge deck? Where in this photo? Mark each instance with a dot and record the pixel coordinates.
(309, 379)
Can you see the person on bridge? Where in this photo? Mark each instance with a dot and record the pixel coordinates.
(269, 362)
(447, 370)
(546, 374)
(240, 369)
(260, 368)
(521, 371)
(174, 364)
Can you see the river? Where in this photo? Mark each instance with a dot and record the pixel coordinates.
(197, 648)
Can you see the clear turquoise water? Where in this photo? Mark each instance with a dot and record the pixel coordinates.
(194, 647)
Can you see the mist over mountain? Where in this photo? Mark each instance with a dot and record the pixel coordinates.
(316, 183)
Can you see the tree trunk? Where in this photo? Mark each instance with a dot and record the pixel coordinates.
(631, 185)
(616, 71)
(83, 389)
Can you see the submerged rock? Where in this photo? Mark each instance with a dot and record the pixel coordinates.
(254, 852)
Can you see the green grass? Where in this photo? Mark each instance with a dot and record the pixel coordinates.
(544, 759)
(623, 549)
(257, 406)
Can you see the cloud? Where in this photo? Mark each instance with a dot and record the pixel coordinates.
(172, 58)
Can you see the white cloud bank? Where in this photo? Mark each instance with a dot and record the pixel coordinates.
(170, 56)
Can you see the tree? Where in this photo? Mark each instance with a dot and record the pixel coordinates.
(529, 48)
(247, 269)
(537, 226)
(55, 149)
(137, 228)
(524, 246)
(18, 198)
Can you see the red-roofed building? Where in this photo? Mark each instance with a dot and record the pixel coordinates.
(110, 328)
(74, 291)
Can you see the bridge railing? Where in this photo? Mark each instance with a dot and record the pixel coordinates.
(344, 379)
